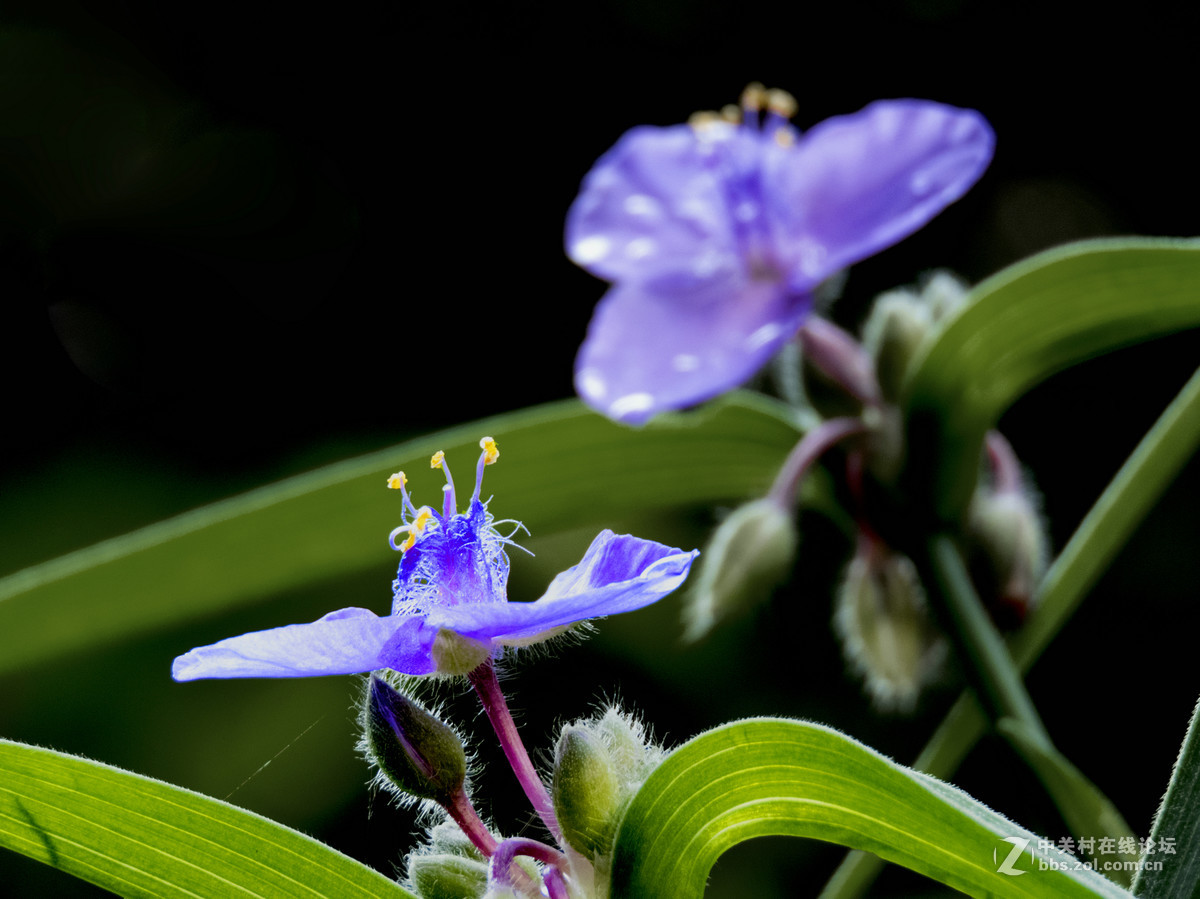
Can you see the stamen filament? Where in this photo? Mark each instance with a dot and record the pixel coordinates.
(449, 504)
(489, 455)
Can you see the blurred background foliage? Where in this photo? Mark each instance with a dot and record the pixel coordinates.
(241, 240)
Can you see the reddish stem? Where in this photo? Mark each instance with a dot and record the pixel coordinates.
(554, 878)
(487, 688)
(804, 455)
(465, 816)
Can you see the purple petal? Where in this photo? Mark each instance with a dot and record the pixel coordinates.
(617, 574)
(348, 641)
(654, 206)
(856, 184)
(647, 350)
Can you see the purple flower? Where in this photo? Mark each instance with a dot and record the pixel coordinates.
(449, 611)
(715, 234)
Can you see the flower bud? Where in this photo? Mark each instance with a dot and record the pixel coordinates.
(586, 792)
(415, 751)
(899, 323)
(598, 765)
(750, 553)
(887, 634)
(436, 876)
(1008, 551)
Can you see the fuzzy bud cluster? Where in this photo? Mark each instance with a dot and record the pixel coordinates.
(598, 765)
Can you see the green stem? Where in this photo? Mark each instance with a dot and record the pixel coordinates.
(999, 684)
(988, 664)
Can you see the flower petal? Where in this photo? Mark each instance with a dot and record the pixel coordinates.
(653, 206)
(617, 574)
(856, 184)
(648, 350)
(348, 641)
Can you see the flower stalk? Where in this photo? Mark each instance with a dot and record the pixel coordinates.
(487, 688)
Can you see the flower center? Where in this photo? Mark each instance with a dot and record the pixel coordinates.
(736, 140)
(449, 557)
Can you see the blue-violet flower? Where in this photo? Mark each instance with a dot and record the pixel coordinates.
(715, 234)
(449, 611)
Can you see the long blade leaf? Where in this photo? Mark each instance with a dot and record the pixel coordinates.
(141, 837)
(1024, 324)
(786, 778)
(562, 466)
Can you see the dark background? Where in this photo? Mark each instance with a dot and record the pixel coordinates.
(239, 240)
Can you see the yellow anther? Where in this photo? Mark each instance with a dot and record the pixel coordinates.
(754, 97)
(424, 514)
(490, 453)
(781, 103)
(785, 138)
(703, 120)
(397, 481)
(731, 114)
(438, 458)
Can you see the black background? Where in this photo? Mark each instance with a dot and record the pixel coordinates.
(237, 240)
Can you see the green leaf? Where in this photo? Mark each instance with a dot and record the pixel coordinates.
(772, 777)
(1118, 512)
(1024, 324)
(141, 837)
(1178, 819)
(561, 466)
(1087, 811)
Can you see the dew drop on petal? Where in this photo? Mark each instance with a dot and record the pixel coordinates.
(707, 265)
(685, 362)
(592, 384)
(746, 212)
(643, 206)
(762, 336)
(631, 403)
(639, 248)
(590, 249)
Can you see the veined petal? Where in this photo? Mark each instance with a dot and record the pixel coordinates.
(648, 350)
(618, 573)
(654, 206)
(858, 183)
(348, 641)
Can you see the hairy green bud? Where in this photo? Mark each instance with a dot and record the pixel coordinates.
(419, 754)
(887, 633)
(899, 323)
(598, 765)
(586, 792)
(436, 876)
(750, 554)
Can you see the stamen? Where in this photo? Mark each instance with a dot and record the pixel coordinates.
(392, 538)
(732, 113)
(398, 481)
(754, 98)
(781, 103)
(449, 506)
(702, 121)
(421, 519)
(488, 457)
(490, 452)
